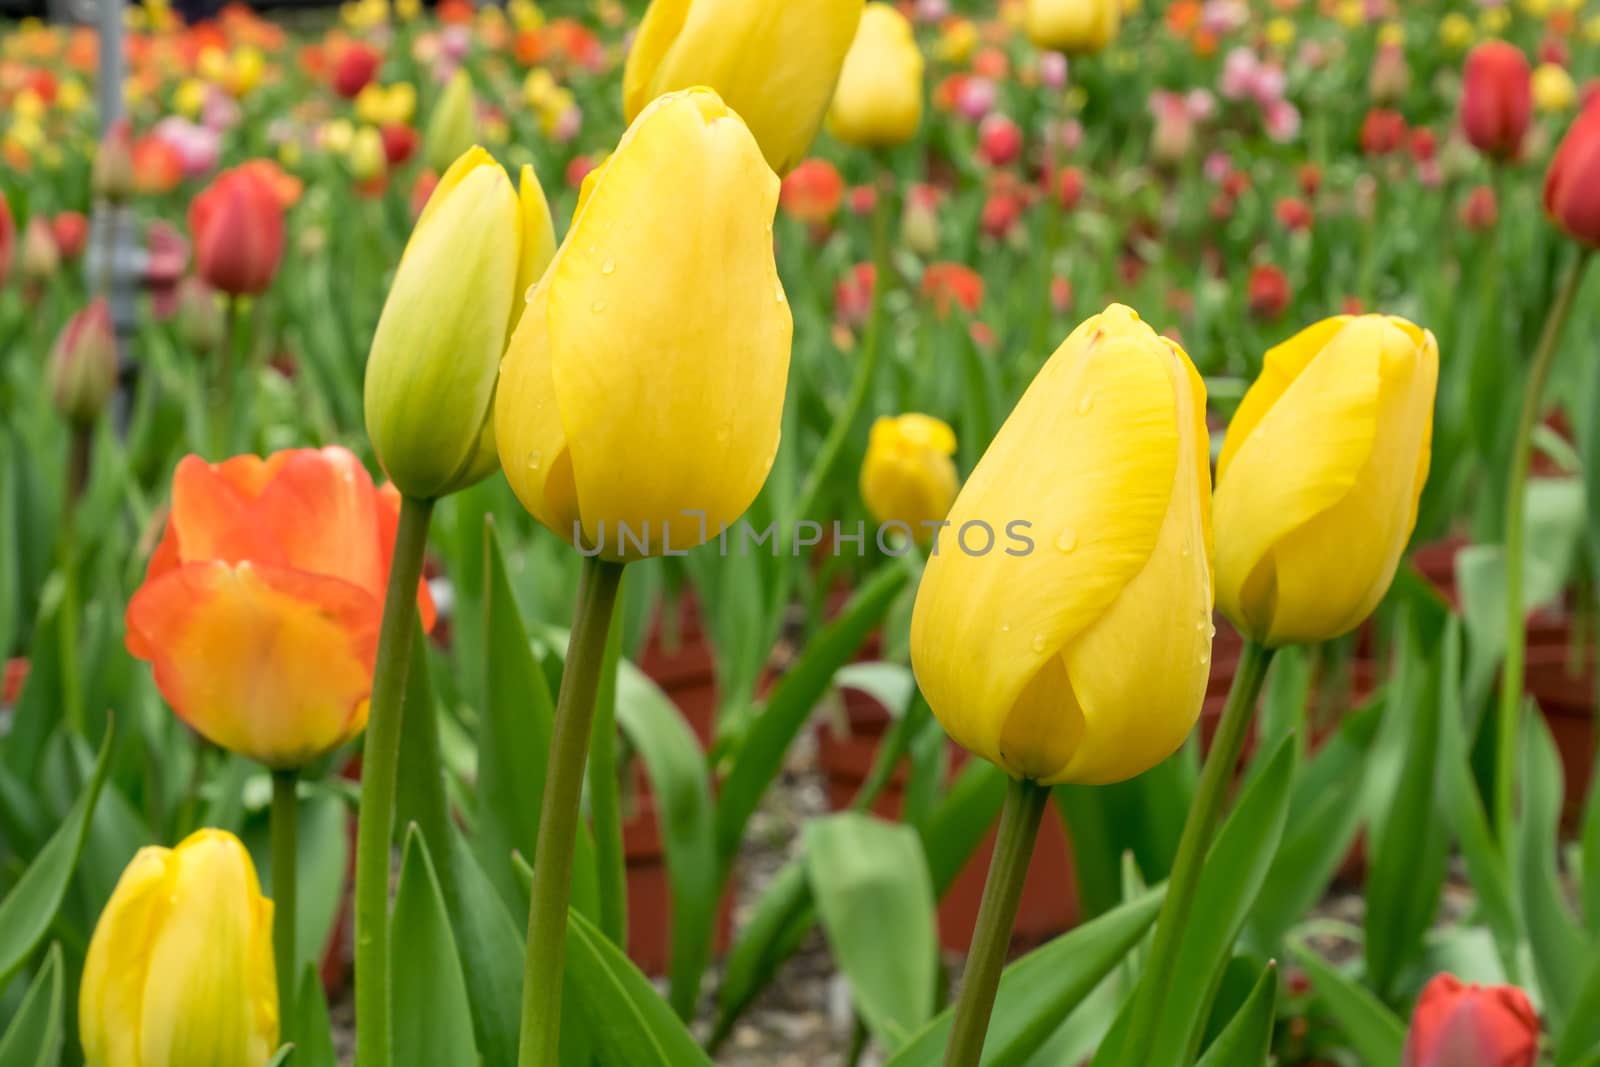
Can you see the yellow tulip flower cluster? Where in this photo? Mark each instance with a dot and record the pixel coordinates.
(1101, 478)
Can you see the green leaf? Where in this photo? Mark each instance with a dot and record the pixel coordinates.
(959, 824)
(1246, 1041)
(778, 923)
(31, 906)
(1561, 947)
(1375, 1033)
(761, 755)
(1463, 808)
(1042, 989)
(1324, 816)
(513, 733)
(284, 1054)
(431, 1015)
(1411, 851)
(313, 1031)
(877, 907)
(680, 783)
(1581, 1038)
(630, 1022)
(1235, 869)
(35, 1036)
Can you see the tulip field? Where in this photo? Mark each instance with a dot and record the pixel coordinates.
(854, 533)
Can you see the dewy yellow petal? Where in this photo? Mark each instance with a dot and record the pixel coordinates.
(1086, 463)
(538, 241)
(667, 356)
(111, 998)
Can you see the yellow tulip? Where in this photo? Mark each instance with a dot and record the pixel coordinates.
(1456, 31)
(774, 63)
(1072, 26)
(180, 970)
(1493, 21)
(1318, 480)
(1063, 627)
(1280, 32)
(642, 396)
(908, 476)
(453, 126)
(457, 295)
(958, 39)
(367, 159)
(1553, 89)
(878, 103)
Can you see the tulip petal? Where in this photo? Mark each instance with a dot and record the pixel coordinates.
(774, 63)
(212, 506)
(267, 662)
(538, 242)
(111, 997)
(660, 27)
(452, 295)
(1134, 719)
(209, 997)
(1367, 530)
(527, 423)
(1256, 506)
(685, 418)
(1099, 424)
(322, 512)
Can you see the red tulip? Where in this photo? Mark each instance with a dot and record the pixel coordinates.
(399, 143)
(1294, 214)
(852, 295)
(951, 285)
(355, 68)
(1457, 1025)
(1310, 176)
(1496, 99)
(1424, 145)
(999, 140)
(1267, 292)
(71, 231)
(238, 231)
(1069, 187)
(1001, 212)
(83, 364)
(8, 238)
(863, 200)
(812, 192)
(1572, 186)
(1382, 132)
(1480, 211)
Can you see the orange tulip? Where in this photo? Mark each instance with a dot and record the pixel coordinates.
(260, 610)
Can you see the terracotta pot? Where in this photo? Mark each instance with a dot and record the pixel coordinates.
(16, 675)
(650, 892)
(1049, 896)
(677, 655)
(1563, 684)
(1436, 561)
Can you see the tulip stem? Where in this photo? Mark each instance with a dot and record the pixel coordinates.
(1511, 676)
(1008, 869)
(1198, 831)
(551, 891)
(380, 764)
(866, 366)
(285, 920)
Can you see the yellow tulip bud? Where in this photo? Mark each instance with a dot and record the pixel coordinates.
(642, 396)
(245, 70)
(72, 96)
(1318, 480)
(957, 41)
(1553, 89)
(1280, 32)
(1392, 35)
(457, 295)
(1072, 26)
(190, 97)
(453, 126)
(1456, 31)
(367, 161)
(774, 63)
(1063, 626)
(1493, 21)
(908, 476)
(878, 103)
(180, 969)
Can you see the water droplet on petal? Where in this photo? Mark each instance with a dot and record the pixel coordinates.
(534, 459)
(724, 433)
(608, 267)
(1086, 404)
(1038, 642)
(598, 306)
(1186, 552)
(1005, 627)
(777, 291)
(1067, 539)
